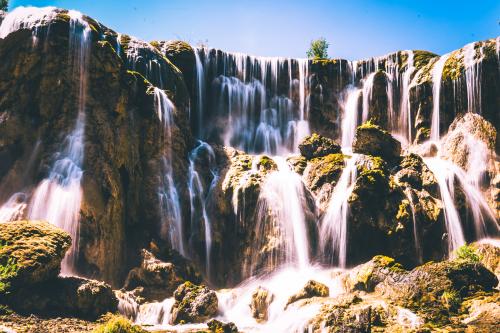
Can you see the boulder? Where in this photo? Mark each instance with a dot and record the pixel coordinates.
(193, 304)
(371, 139)
(30, 252)
(468, 135)
(367, 276)
(483, 313)
(489, 254)
(216, 326)
(66, 296)
(157, 279)
(311, 289)
(261, 299)
(318, 146)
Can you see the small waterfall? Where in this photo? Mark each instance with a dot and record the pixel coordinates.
(333, 232)
(472, 62)
(445, 175)
(350, 117)
(418, 247)
(200, 86)
(437, 74)
(57, 199)
(170, 209)
(14, 208)
(404, 128)
(283, 198)
(198, 195)
(367, 96)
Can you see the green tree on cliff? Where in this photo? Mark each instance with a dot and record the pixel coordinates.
(4, 5)
(318, 49)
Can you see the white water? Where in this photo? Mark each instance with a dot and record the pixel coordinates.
(14, 208)
(333, 232)
(200, 84)
(405, 123)
(26, 18)
(57, 198)
(437, 73)
(234, 304)
(171, 224)
(283, 199)
(350, 117)
(198, 195)
(473, 71)
(367, 96)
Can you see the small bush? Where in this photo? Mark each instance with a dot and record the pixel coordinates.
(118, 324)
(318, 49)
(451, 299)
(467, 253)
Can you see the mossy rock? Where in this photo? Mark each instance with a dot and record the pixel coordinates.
(297, 163)
(118, 324)
(216, 326)
(371, 139)
(318, 146)
(193, 304)
(323, 170)
(30, 252)
(311, 289)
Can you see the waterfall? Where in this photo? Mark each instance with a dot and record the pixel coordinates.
(350, 117)
(26, 18)
(333, 232)
(198, 195)
(473, 76)
(171, 226)
(404, 128)
(281, 218)
(437, 73)
(200, 85)
(263, 101)
(367, 96)
(57, 198)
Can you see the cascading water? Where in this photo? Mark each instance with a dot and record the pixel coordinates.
(200, 85)
(171, 226)
(473, 54)
(437, 73)
(264, 100)
(333, 232)
(350, 117)
(281, 217)
(198, 194)
(57, 199)
(404, 123)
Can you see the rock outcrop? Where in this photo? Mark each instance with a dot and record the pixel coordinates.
(30, 252)
(261, 299)
(193, 304)
(311, 289)
(371, 139)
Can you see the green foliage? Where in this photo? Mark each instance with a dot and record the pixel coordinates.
(451, 299)
(8, 269)
(467, 253)
(4, 5)
(118, 324)
(318, 49)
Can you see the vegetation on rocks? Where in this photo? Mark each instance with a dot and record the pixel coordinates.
(193, 304)
(311, 289)
(318, 146)
(118, 324)
(371, 139)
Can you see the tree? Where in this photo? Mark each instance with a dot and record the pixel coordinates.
(318, 49)
(4, 5)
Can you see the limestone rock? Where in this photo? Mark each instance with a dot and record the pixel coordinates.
(261, 299)
(216, 326)
(311, 289)
(33, 250)
(193, 304)
(157, 279)
(318, 146)
(371, 139)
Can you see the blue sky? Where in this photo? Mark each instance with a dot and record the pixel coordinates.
(354, 28)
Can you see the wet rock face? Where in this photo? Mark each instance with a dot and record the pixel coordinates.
(31, 252)
(193, 304)
(318, 146)
(216, 326)
(123, 137)
(181, 54)
(261, 299)
(370, 139)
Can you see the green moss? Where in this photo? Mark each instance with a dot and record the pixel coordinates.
(124, 41)
(422, 58)
(454, 66)
(266, 163)
(369, 125)
(403, 211)
(63, 16)
(324, 62)
(118, 324)
(155, 44)
(451, 299)
(467, 253)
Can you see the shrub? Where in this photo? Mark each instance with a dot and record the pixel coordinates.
(451, 299)
(467, 253)
(118, 324)
(318, 49)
